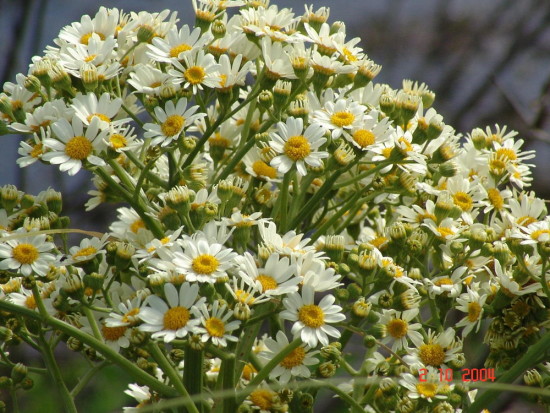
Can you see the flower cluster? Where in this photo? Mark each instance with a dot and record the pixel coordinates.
(269, 185)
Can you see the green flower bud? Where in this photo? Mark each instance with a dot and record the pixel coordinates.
(5, 382)
(327, 369)
(19, 372)
(27, 383)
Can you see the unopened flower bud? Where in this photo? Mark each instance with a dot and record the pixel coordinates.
(74, 344)
(361, 308)
(218, 29)
(32, 84)
(169, 218)
(124, 255)
(27, 383)
(327, 369)
(19, 372)
(281, 92)
(532, 378)
(265, 99)
(89, 76)
(145, 33)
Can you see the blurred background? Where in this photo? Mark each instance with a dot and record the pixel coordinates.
(487, 61)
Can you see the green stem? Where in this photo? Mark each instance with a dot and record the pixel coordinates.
(283, 202)
(343, 395)
(264, 373)
(86, 378)
(172, 374)
(228, 371)
(150, 176)
(132, 115)
(57, 377)
(193, 372)
(93, 323)
(530, 358)
(336, 216)
(138, 374)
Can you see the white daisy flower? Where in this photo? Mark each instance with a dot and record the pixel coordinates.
(122, 139)
(232, 73)
(28, 254)
(199, 69)
(214, 324)
(399, 328)
(116, 337)
(149, 80)
(311, 321)
(141, 394)
(289, 244)
(73, 146)
(173, 119)
(88, 249)
(171, 318)
(42, 116)
(276, 278)
(435, 350)
(471, 303)
(87, 107)
(102, 25)
(203, 261)
(297, 146)
(128, 314)
(371, 132)
(427, 387)
(177, 44)
(32, 149)
(295, 364)
(342, 115)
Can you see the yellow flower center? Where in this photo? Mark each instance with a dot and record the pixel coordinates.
(342, 119)
(262, 398)
(176, 318)
(195, 75)
(205, 264)
(463, 201)
(84, 252)
(129, 317)
(113, 333)
(386, 152)
(525, 220)
(244, 297)
(118, 141)
(364, 138)
(311, 315)
(248, 371)
(294, 358)
(297, 148)
(495, 198)
(260, 168)
(176, 50)
(427, 390)
(379, 241)
(219, 141)
(86, 37)
(444, 281)
(474, 310)
(445, 231)
(30, 302)
(397, 328)
(36, 150)
(172, 125)
(89, 58)
(101, 116)
(78, 148)
(25, 253)
(539, 232)
(155, 84)
(137, 225)
(268, 282)
(215, 327)
(431, 354)
(507, 154)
